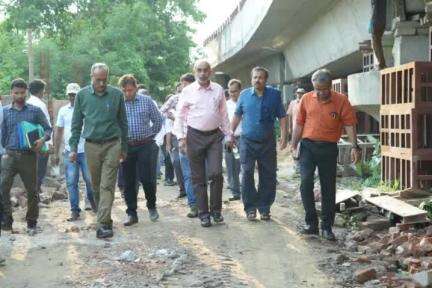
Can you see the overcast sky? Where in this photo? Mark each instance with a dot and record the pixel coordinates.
(217, 11)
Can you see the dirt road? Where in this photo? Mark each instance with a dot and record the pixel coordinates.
(173, 252)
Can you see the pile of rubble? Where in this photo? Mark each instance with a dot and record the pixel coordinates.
(399, 257)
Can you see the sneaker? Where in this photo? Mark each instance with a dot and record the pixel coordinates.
(153, 214)
(193, 212)
(181, 195)
(104, 232)
(169, 183)
(234, 198)
(328, 235)
(31, 228)
(75, 215)
(217, 217)
(265, 216)
(251, 215)
(205, 222)
(87, 206)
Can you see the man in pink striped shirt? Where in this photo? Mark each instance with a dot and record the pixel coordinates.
(200, 125)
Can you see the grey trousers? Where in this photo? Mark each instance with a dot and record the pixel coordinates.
(204, 150)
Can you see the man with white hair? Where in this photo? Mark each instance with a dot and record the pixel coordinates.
(102, 107)
(322, 115)
(72, 170)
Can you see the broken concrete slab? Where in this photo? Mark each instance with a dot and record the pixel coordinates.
(364, 275)
(424, 278)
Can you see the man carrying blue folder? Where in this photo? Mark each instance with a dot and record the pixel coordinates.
(19, 159)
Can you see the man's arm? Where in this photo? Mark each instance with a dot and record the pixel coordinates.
(355, 150)
(297, 134)
(156, 118)
(59, 132)
(235, 122)
(42, 120)
(3, 130)
(180, 118)
(77, 123)
(225, 125)
(283, 134)
(122, 118)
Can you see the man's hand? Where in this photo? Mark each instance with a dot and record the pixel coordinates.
(182, 146)
(282, 142)
(38, 145)
(355, 155)
(122, 157)
(73, 157)
(170, 115)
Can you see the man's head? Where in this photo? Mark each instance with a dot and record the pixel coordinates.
(179, 88)
(234, 88)
(203, 71)
(142, 89)
(129, 86)
(71, 91)
(187, 79)
(300, 92)
(18, 91)
(99, 75)
(259, 78)
(37, 88)
(322, 82)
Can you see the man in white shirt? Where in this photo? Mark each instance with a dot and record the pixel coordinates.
(37, 90)
(72, 169)
(232, 157)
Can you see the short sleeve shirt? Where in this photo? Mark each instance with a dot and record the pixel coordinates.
(64, 120)
(259, 113)
(324, 121)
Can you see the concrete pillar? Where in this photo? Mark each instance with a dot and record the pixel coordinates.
(411, 42)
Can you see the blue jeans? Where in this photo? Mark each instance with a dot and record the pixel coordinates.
(233, 172)
(187, 178)
(72, 179)
(264, 153)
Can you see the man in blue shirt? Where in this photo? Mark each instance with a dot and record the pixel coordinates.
(144, 122)
(257, 108)
(18, 160)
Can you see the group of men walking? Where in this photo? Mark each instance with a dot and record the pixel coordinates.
(104, 128)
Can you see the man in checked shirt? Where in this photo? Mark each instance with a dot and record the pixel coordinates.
(144, 122)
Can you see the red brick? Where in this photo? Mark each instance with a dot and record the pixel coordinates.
(365, 275)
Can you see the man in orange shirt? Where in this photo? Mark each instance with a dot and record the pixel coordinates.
(322, 115)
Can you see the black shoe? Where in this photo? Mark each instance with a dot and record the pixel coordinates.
(132, 219)
(308, 230)
(6, 225)
(234, 198)
(265, 216)
(104, 232)
(251, 215)
(153, 214)
(328, 235)
(31, 228)
(75, 215)
(217, 217)
(205, 222)
(181, 195)
(193, 212)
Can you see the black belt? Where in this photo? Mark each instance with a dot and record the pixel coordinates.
(140, 142)
(205, 133)
(319, 142)
(102, 141)
(20, 152)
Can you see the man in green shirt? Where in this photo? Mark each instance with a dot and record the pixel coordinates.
(102, 108)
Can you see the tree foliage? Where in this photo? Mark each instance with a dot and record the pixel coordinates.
(148, 38)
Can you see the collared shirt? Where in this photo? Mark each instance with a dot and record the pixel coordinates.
(36, 101)
(13, 116)
(293, 110)
(202, 108)
(144, 118)
(64, 120)
(231, 107)
(259, 112)
(105, 116)
(323, 121)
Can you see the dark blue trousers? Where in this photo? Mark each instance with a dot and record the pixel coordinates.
(324, 156)
(264, 154)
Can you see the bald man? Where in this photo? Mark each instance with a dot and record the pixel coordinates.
(200, 126)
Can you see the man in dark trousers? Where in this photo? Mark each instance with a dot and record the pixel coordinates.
(19, 160)
(258, 107)
(144, 122)
(322, 116)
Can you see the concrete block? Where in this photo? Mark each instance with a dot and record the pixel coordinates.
(405, 31)
(424, 278)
